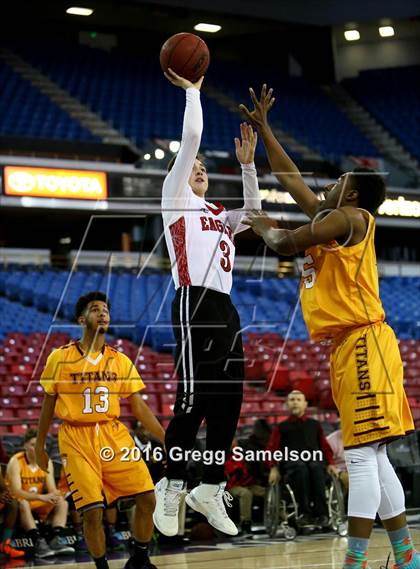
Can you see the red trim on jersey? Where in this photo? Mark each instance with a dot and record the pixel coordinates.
(219, 207)
(177, 230)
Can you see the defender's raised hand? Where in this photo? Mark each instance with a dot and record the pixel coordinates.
(259, 222)
(245, 148)
(258, 116)
(181, 81)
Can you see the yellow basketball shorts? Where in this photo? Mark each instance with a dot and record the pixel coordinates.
(367, 386)
(42, 509)
(99, 463)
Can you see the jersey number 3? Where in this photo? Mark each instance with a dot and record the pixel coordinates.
(225, 260)
(103, 393)
(308, 273)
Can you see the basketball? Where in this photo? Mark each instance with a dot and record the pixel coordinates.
(186, 54)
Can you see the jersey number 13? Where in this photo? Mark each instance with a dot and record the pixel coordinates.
(103, 393)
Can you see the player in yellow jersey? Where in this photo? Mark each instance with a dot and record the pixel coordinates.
(37, 494)
(340, 303)
(83, 383)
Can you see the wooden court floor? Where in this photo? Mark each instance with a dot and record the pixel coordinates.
(303, 553)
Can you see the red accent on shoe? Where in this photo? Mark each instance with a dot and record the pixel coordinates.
(408, 556)
(10, 551)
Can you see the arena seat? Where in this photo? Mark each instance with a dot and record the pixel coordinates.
(301, 108)
(301, 364)
(25, 111)
(128, 91)
(392, 96)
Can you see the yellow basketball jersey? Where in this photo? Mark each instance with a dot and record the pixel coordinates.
(339, 287)
(88, 387)
(32, 477)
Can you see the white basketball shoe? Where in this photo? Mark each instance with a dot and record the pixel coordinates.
(210, 500)
(168, 495)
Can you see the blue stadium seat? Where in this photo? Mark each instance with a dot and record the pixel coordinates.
(301, 108)
(25, 111)
(392, 96)
(141, 307)
(128, 91)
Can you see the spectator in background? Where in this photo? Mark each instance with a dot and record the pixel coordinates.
(258, 441)
(242, 485)
(37, 494)
(9, 508)
(335, 440)
(307, 478)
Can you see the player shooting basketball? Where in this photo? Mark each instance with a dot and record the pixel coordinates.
(340, 302)
(83, 382)
(200, 236)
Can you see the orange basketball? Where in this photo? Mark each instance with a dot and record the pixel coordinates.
(186, 54)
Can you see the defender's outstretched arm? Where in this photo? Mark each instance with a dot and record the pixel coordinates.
(282, 166)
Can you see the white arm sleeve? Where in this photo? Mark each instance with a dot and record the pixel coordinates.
(252, 198)
(176, 191)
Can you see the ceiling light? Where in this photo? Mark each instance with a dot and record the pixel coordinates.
(352, 35)
(386, 31)
(78, 11)
(174, 145)
(211, 28)
(159, 154)
(147, 157)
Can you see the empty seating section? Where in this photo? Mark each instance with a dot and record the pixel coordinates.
(392, 96)
(141, 306)
(128, 91)
(301, 108)
(15, 316)
(269, 310)
(25, 111)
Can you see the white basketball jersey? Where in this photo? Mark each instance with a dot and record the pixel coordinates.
(200, 234)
